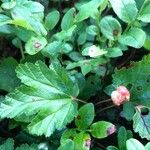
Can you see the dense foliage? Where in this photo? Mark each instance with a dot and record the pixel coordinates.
(75, 75)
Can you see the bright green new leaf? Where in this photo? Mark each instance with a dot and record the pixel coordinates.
(89, 9)
(145, 12)
(22, 23)
(47, 97)
(126, 10)
(102, 129)
(110, 27)
(141, 122)
(68, 19)
(35, 44)
(135, 37)
(133, 144)
(8, 78)
(85, 116)
(52, 19)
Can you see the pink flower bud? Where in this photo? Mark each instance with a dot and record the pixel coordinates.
(120, 95)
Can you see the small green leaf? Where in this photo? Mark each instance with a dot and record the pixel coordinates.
(87, 65)
(85, 116)
(110, 27)
(68, 134)
(7, 145)
(145, 12)
(122, 137)
(112, 148)
(135, 37)
(52, 19)
(102, 129)
(147, 146)
(93, 51)
(68, 19)
(8, 5)
(8, 78)
(92, 30)
(113, 52)
(35, 44)
(126, 10)
(133, 144)
(67, 145)
(82, 141)
(4, 19)
(89, 9)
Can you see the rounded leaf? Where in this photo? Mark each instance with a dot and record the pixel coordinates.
(110, 27)
(85, 116)
(102, 129)
(35, 44)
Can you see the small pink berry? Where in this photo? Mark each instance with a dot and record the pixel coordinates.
(120, 95)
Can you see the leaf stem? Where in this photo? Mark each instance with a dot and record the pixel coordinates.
(104, 101)
(79, 100)
(105, 109)
(21, 50)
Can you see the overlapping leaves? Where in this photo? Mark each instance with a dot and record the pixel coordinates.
(46, 97)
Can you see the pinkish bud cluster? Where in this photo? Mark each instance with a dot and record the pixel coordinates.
(120, 95)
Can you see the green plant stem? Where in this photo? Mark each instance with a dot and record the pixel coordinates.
(104, 101)
(105, 109)
(79, 100)
(21, 51)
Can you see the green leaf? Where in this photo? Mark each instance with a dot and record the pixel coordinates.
(68, 134)
(52, 49)
(135, 37)
(27, 147)
(126, 10)
(68, 19)
(112, 148)
(52, 19)
(145, 12)
(92, 30)
(110, 27)
(8, 5)
(93, 51)
(147, 146)
(7, 145)
(8, 78)
(134, 145)
(126, 113)
(47, 96)
(102, 129)
(68, 144)
(139, 84)
(4, 19)
(85, 116)
(141, 123)
(35, 44)
(113, 52)
(22, 23)
(87, 65)
(122, 137)
(89, 9)
(82, 141)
